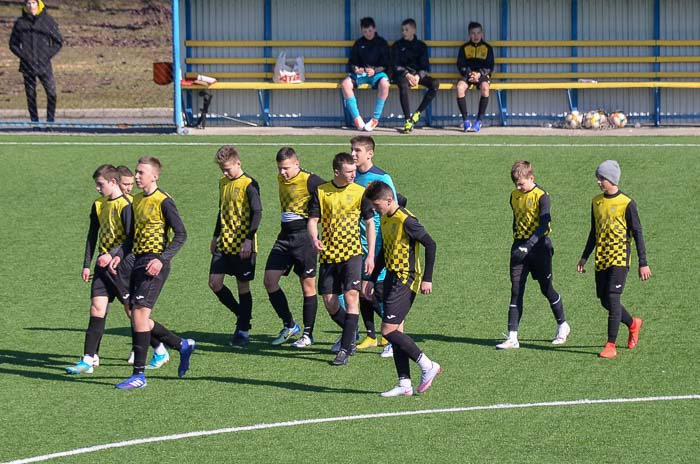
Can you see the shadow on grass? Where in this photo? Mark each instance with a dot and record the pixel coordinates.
(32, 366)
(296, 386)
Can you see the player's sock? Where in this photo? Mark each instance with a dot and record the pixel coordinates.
(462, 104)
(246, 314)
(166, 336)
(351, 105)
(155, 342)
(310, 309)
(558, 310)
(140, 340)
(424, 362)
(87, 359)
(378, 108)
(278, 300)
(93, 334)
(159, 348)
(349, 331)
(483, 103)
(367, 310)
(227, 299)
(514, 314)
(405, 343)
(339, 317)
(403, 367)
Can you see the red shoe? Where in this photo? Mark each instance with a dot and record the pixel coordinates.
(635, 328)
(609, 352)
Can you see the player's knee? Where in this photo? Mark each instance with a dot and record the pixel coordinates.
(216, 285)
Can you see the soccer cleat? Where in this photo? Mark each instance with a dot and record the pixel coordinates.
(509, 344)
(633, 339)
(415, 117)
(384, 342)
(131, 359)
(562, 334)
(303, 342)
(371, 124)
(80, 368)
(467, 126)
(368, 342)
(610, 351)
(341, 359)
(398, 391)
(239, 339)
(407, 126)
(185, 353)
(388, 351)
(133, 382)
(285, 334)
(427, 377)
(477, 126)
(359, 123)
(158, 360)
(95, 361)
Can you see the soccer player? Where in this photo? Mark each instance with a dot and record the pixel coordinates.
(409, 58)
(363, 153)
(614, 219)
(155, 216)
(402, 233)
(531, 252)
(339, 205)
(368, 63)
(126, 181)
(475, 63)
(110, 222)
(234, 246)
(293, 248)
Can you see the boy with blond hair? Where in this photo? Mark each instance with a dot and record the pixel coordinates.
(234, 244)
(531, 253)
(614, 219)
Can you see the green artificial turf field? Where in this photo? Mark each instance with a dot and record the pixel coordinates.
(459, 189)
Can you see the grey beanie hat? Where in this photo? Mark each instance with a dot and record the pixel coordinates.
(610, 170)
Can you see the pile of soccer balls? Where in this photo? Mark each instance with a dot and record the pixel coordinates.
(598, 119)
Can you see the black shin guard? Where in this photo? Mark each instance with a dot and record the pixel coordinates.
(367, 310)
(309, 314)
(227, 299)
(140, 341)
(93, 335)
(246, 311)
(405, 343)
(279, 302)
(339, 317)
(462, 104)
(401, 361)
(483, 103)
(349, 331)
(166, 336)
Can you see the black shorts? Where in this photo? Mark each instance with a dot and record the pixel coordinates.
(144, 289)
(338, 278)
(538, 262)
(112, 286)
(293, 251)
(398, 299)
(610, 280)
(233, 265)
(482, 79)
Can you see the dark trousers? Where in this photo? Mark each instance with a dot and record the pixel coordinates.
(428, 82)
(49, 84)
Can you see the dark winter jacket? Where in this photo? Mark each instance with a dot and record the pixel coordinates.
(475, 58)
(35, 40)
(370, 54)
(410, 57)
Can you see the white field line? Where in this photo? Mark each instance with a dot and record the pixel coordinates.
(342, 144)
(295, 423)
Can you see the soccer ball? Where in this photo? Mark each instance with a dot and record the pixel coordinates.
(618, 119)
(573, 120)
(593, 120)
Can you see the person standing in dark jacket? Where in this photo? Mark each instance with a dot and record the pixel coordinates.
(475, 63)
(35, 39)
(409, 58)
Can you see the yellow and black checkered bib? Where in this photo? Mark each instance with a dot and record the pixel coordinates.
(400, 257)
(611, 231)
(526, 212)
(294, 193)
(109, 214)
(150, 235)
(234, 215)
(340, 221)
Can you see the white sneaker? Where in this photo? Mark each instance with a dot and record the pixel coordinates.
(509, 344)
(427, 377)
(388, 352)
(95, 361)
(398, 391)
(563, 332)
(131, 359)
(303, 342)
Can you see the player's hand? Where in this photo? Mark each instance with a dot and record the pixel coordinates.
(113, 265)
(318, 245)
(644, 273)
(212, 246)
(86, 274)
(370, 72)
(154, 267)
(412, 79)
(474, 77)
(426, 288)
(520, 253)
(581, 266)
(104, 260)
(359, 70)
(246, 249)
(369, 264)
(368, 290)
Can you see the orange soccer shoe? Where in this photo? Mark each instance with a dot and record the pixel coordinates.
(609, 352)
(635, 328)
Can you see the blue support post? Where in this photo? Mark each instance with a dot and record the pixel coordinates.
(428, 17)
(267, 52)
(189, 115)
(502, 94)
(657, 65)
(177, 90)
(573, 94)
(348, 36)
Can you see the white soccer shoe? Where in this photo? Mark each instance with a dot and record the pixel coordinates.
(563, 332)
(509, 344)
(398, 391)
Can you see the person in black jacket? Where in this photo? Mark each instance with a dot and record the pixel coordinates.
(35, 39)
(368, 63)
(475, 63)
(410, 64)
